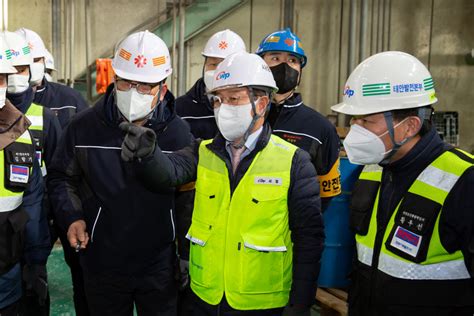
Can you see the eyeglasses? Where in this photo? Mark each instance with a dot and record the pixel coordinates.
(142, 88)
(216, 100)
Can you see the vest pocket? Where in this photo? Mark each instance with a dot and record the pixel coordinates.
(201, 255)
(12, 226)
(264, 261)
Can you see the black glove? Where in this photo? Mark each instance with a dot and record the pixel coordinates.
(36, 281)
(183, 274)
(296, 311)
(138, 143)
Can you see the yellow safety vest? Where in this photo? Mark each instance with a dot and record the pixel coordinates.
(35, 115)
(18, 172)
(405, 254)
(241, 244)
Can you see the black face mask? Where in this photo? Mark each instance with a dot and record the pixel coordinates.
(286, 78)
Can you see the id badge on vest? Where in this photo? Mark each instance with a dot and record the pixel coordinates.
(413, 227)
(18, 161)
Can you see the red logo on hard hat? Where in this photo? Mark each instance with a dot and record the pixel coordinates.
(140, 61)
(223, 45)
(289, 42)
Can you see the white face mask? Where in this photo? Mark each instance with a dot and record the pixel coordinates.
(208, 78)
(364, 147)
(37, 73)
(18, 83)
(233, 121)
(133, 105)
(3, 96)
(48, 77)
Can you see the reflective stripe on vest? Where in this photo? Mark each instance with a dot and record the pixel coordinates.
(434, 183)
(35, 115)
(241, 245)
(10, 200)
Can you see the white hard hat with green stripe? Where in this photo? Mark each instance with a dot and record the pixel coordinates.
(17, 49)
(6, 66)
(387, 81)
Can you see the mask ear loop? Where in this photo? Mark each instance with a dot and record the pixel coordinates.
(255, 118)
(391, 131)
(159, 106)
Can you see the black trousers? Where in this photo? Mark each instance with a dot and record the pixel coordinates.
(10, 310)
(110, 294)
(72, 259)
(201, 308)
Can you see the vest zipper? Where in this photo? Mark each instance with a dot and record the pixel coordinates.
(379, 238)
(172, 223)
(95, 223)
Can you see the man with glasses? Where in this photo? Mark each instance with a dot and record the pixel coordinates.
(256, 233)
(124, 232)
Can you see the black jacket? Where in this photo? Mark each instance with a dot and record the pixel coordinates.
(305, 220)
(194, 107)
(371, 294)
(309, 130)
(64, 101)
(127, 224)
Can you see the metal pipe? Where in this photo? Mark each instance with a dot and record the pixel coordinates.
(5, 15)
(251, 26)
(65, 36)
(173, 49)
(340, 116)
(289, 12)
(88, 49)
(352, 37)
(282, 13)
(363, 29)
(71, 45)
(56, 30)
(181, 62)
(431, 34)
(389, 24)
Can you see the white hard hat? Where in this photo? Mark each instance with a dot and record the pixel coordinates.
(34, 41)
(6, 66)
(142, 57)
(49, 61)
(18, 49)
(387, 81)
(241, 70)
(224, 43)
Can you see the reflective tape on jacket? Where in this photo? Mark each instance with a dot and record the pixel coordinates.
(434, 183)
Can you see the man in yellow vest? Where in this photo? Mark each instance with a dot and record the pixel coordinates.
(412, 208)
(256, 233)
(45, 130)
(24, 234)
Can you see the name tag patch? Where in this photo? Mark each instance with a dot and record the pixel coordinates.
(19, 174)
(268, 180)
(406, 241)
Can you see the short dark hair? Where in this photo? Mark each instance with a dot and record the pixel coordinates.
(400, 115)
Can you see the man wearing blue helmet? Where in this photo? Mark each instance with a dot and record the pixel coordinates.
(291, 119)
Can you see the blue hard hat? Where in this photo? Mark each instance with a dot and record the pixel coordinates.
(282, 41)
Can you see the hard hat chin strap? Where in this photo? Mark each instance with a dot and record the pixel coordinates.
(255, 118)
(391, 131)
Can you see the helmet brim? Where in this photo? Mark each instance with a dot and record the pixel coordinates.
(350, 109)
